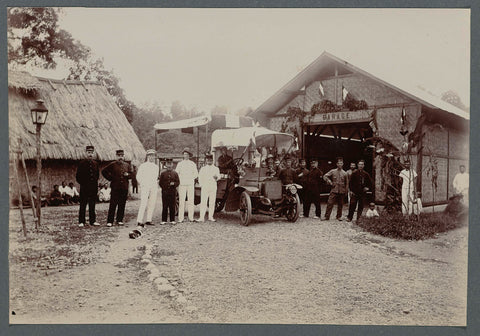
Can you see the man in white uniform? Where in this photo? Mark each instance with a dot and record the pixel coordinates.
(409, 178)
(187, 173)
(460, 184)
(147, 177)
(207, 178)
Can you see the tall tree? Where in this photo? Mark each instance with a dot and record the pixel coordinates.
(217, 109)
(34, 38)
(145, 118)
(178, 111)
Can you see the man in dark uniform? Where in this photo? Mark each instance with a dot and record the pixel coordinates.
(360, 183)
(87, 176)
(225, 161)
(312, 189)
(287, 175)
(118, 172)
(169, 182)
(301, 178)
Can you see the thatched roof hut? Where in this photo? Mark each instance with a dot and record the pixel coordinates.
(81, 113)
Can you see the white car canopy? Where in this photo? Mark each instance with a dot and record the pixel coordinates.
(260, 136)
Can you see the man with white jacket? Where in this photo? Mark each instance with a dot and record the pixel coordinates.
(187, 173)
(461, 184)
(147, 177)
(207, 178)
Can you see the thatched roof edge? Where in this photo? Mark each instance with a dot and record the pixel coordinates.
(23, 81)
(81, 113)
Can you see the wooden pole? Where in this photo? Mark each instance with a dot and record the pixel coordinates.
(20, 200)
(32, 200)
(39, 177)
(198, 147)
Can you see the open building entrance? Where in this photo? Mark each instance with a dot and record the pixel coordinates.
(326, 142)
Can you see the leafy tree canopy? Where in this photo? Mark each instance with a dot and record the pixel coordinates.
(35, 38)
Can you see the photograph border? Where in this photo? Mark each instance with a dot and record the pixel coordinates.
(473, 316)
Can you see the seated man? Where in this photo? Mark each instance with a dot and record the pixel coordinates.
(372, 211)
(62, 190)
(56, 196)
(104, 193)
(225, 162)
(72, 193)
(271, 169)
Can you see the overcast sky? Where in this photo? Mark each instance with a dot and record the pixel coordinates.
(240, 57)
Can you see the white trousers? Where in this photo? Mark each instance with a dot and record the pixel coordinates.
(407, 201)
(465, 197)
(186, 191)
(148, 198)
(210, 195)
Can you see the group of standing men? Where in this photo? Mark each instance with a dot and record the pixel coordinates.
(149, 178)
(356, 183)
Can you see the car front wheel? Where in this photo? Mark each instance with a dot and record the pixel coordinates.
(294, 211)
(245, 208)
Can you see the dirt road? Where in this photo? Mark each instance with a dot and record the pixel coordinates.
(270, 272)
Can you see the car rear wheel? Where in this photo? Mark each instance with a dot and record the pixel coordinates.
(294, 211)
(245, 208)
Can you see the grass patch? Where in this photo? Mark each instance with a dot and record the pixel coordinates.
(395, 225)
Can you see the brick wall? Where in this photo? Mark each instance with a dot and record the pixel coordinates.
(459, 144)
(450, 148)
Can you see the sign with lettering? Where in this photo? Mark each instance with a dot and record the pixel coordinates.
(345, 117)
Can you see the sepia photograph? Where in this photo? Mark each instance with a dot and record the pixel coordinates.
(287, 166)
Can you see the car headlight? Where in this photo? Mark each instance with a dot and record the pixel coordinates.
(292, 189)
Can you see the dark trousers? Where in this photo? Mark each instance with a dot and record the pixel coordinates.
(118, 198)
(332, 199)
(88, 194)
(168, 206)
(354, 199)
(309, 198)
(301, 195)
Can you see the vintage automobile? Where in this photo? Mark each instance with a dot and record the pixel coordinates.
(246, 186)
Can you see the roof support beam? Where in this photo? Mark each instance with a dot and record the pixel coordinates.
(332, 128)
(319, 132)
(66, 87)
(355, 131)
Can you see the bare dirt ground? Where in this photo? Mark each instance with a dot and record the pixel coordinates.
(309, 272)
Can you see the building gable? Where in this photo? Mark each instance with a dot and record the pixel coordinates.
(358, 85)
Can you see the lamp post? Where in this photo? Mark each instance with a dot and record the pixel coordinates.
(39, 116)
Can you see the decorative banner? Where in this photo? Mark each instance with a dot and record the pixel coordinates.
(232, 121)
(403, 120)
(320, 89)
(344, 93)
(373, 122)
